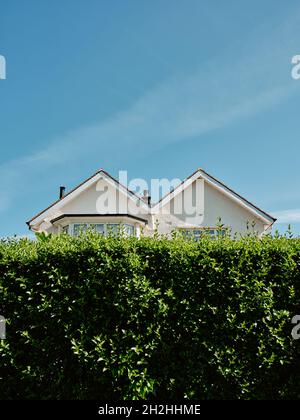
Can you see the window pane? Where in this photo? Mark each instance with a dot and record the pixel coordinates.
(186, 233)
(196, 234)
(100, 228)
(97, 227)
(79, 228)
(65, 229)
(112, 229)
(129, 230)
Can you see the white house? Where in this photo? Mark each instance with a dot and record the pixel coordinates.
(194, 206)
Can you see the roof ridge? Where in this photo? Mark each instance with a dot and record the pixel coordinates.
(78, 186)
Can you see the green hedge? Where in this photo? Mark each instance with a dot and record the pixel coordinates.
(117, 318)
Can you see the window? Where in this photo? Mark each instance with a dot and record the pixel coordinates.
(112, 229)
(104, 229)
(117, 228)
(128, 230)
(65, 229)
(196, 234)
(79, 228)
(98, 227)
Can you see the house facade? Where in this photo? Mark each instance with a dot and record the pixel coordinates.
(199, 204)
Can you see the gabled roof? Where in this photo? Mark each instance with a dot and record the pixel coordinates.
(201, 173)
(80, 188)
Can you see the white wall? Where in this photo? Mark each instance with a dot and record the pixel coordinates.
(199, 205)
(103, 198)
(232, 214)
(210, 205)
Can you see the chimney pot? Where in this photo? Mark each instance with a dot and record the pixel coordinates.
(147, 197)
(61, 191)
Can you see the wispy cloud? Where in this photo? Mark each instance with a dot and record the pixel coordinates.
(182, 107)
(287, 216)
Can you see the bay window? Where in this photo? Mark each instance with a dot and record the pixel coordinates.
(104, 229)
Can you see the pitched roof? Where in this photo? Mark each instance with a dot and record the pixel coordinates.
(184, 184)
(218, 184)
(86, 181)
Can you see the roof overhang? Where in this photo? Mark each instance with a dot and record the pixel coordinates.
(200, 173)
(101, 174)
(99, 217)
(49, 213)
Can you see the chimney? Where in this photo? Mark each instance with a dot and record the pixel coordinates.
(61, 192)
(147, 197)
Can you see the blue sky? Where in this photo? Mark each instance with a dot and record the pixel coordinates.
(157, 88)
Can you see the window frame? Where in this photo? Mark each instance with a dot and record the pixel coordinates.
(213, 232)
(72, 228)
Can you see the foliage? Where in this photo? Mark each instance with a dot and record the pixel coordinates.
(126, 318)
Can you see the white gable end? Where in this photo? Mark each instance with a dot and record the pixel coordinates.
(103, 197)
(201, 201)
(233, 215)
(197, 203)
